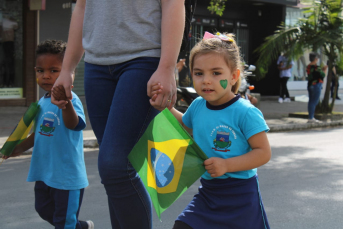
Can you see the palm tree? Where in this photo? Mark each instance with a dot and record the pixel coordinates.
(322, 28)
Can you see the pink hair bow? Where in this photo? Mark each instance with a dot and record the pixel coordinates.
(218, 35)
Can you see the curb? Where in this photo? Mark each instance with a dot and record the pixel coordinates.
(90, 143)
(304, 126)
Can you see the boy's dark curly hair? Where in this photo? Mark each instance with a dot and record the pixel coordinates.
(56, 47)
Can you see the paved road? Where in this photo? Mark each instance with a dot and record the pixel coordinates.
(302, 186)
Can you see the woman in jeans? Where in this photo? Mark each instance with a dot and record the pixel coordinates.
(129, 45)
(315, 80)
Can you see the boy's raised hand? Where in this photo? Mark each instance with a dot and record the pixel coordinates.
(216, 166)
(59, 93)
(66, 80)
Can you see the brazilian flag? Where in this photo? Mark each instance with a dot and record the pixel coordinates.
(167, 159)
(21, 131)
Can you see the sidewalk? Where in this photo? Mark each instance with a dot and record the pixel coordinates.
(276, 116)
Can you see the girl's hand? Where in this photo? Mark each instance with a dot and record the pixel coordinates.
(156, 89)
(167, 97)
(66, 80)
(216, 166)
(155, 104)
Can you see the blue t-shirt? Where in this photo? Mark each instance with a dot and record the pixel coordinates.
(285, 63)
(57, 157)
(223, 131)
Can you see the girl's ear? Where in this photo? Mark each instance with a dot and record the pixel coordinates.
(235, 76)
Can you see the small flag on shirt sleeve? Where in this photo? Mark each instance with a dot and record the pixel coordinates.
(21, 131)
(167, 159)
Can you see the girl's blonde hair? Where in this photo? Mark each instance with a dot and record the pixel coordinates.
(229, 50)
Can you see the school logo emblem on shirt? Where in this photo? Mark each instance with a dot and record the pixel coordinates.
(222, 141)
(47, 127)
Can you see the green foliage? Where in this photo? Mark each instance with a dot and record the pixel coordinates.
(321, 28)
(217, 6)
(339, 66)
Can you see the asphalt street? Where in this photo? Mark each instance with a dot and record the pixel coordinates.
(302, 186)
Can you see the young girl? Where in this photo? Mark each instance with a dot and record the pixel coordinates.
(58, 170)
(232, 132)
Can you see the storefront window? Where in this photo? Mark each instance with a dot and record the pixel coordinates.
(11, 49)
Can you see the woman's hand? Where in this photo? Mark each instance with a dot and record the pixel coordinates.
(66, 80)
(167, 97)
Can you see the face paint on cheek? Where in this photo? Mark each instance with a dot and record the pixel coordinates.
(37, 80)
(223, 83)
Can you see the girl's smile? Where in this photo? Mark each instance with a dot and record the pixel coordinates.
(207, 90)
(208, 72)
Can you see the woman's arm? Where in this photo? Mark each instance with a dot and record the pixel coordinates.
(259, 155)
(172, 27)
(73, 53)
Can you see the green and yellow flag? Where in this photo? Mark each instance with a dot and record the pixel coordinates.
(167, 159)
(21, 131)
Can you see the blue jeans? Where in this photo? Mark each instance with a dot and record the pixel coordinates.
(119, 111)
(313, 95)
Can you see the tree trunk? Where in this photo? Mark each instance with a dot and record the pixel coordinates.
(324, 105)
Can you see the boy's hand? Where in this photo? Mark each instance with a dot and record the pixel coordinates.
(66, 80)
(15, 153)
(59, 93)
(216, 166)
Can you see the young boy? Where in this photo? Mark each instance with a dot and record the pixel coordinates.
(57, 164)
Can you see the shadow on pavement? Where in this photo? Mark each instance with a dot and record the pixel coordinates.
(301, 191)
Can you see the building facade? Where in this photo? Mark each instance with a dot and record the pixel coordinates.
(251, 21)
(24, 26)
(18, 27)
